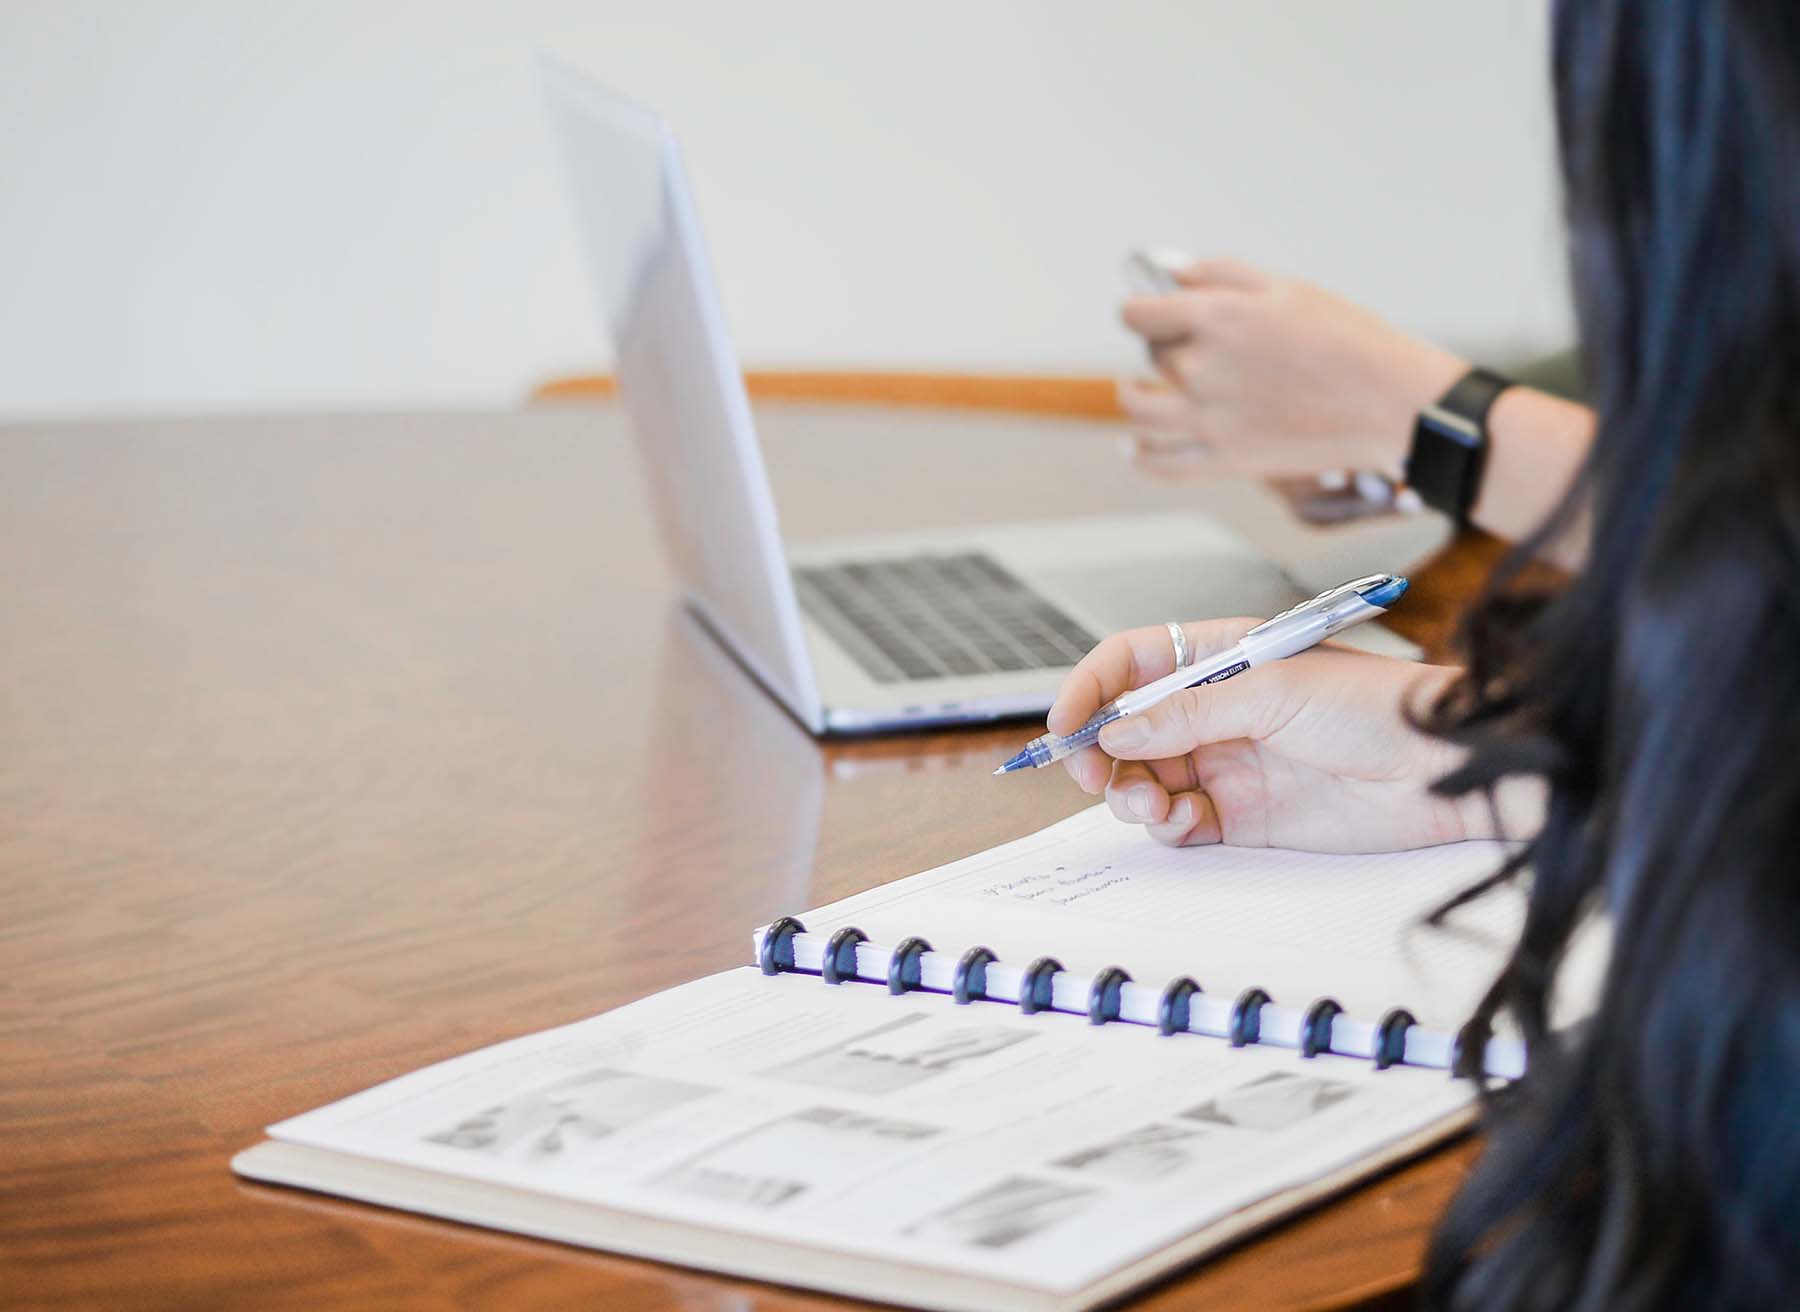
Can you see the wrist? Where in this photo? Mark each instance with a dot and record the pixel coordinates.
(1512, 812)
(1419, 379)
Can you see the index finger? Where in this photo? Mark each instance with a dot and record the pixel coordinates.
(1168, 317)
(1130, 660)
(1221, 273)
(1126, 660)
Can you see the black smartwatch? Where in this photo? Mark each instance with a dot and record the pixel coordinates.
(1450, 442)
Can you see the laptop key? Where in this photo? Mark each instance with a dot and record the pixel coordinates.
(930, 616)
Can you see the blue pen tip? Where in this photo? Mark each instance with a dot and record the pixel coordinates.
(1386, 593)
(1019, 762)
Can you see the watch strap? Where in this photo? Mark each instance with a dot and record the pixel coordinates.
(1450, 441)
(1474, 394)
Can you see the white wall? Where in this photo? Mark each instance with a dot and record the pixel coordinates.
(345, 203)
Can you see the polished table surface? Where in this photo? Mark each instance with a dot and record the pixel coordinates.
(330, 747)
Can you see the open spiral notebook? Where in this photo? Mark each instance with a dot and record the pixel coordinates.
(1035, 1078)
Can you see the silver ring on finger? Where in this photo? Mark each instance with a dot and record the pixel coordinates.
(1178, 635)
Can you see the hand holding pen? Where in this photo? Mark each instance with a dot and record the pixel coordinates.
(1314, 751)
(1292, 631)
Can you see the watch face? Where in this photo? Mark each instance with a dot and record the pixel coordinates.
(1445, 461)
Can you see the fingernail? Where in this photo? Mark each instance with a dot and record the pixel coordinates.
(1182, 811)
(1137, 801)
(1124, 734)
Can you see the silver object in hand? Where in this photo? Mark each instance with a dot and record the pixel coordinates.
(1178, 635)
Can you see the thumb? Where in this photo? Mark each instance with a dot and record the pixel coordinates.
(1252, 705)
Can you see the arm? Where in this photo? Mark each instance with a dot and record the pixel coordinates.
(1536, 442)
(1264, 374)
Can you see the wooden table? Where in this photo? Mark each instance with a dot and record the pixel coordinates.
(330, 747)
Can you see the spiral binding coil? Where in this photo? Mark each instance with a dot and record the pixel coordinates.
(1468, 1049)
(1172, 1007)
(1390, 1037)
(1037, 988)
(776, 953)
(1103, 995)
(1246, 1016)
(903, 965)
(840, 955)
(1315, 1029)
(970, 981)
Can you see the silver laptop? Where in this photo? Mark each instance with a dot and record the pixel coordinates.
(874, 633)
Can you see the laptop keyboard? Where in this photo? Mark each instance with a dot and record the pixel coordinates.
(938, 616)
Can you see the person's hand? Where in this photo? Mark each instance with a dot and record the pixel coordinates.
(1265, 374)
(1313, 752)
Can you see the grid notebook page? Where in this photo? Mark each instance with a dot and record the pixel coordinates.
(1094, 892)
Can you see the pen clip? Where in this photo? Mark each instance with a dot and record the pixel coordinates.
(1323, 601)
(1329, 595)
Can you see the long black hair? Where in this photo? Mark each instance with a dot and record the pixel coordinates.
(1652, 1158)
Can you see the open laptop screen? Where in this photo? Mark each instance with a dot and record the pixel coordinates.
(679, 379)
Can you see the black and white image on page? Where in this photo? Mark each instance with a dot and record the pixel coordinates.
(553, 1122)
(1272, 1102)
(1150, 1152)
(816, 1152)
(898, 1056)
(1015, 1209)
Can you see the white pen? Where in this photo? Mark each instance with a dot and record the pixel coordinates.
(1291, 632)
